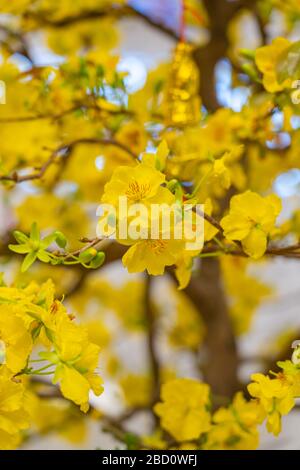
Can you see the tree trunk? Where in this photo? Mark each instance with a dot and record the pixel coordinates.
(221, 360)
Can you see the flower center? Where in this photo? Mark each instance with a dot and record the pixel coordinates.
(157, 246)
(136, 191)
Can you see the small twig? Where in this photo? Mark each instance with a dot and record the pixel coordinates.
(94, 14)
(66, 112)
(96, 243)
(66, 148)
(210, 219)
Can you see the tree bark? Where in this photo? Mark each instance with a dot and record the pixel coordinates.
(221, 359)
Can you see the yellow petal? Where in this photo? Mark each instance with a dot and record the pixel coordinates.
(255, 243)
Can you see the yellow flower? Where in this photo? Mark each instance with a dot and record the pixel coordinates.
(17, 340)
(138, 184)
(235, 427)
(183, 410)
(132, 135)
(13, 417)
(250, 220)
(275, 396)
(152, 255)
(77, 377)
(267, 58)
(75, 359)
(199, 231)
(222, 173)
(183, 271)
(157, 160)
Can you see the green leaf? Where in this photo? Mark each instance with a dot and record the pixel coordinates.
(60, 239)
(56, 261)
(47, 241)
(87, 255)
(172, 185)
(43, 256)
(247, 53)
(131, 441)
(20, 237)
(158, 86)
(20, 249)
(251, 71)
(34, 233)
(179, 193)
(28, 261)
(36, 331)
(98, 260)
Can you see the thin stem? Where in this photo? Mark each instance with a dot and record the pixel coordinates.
(211, 255)
(41, 369)
(43, 373)
(66, 148)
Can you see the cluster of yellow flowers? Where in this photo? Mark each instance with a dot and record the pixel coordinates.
(186, 411)
(145, 184)
(251, 221)
(34, 324)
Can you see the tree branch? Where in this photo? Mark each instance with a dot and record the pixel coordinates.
(95, 14)
(55, 117)
(65, 150)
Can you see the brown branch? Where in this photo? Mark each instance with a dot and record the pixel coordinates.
(15, 42)
(290, 251)
(207, 294)
(65, 149)
(211, 220)
(55, 117)
(113, 425)
(220, 13)
(96, 14)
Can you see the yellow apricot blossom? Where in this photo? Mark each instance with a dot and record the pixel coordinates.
(275, 396)
(267, 58)
(13, 415)
(235, 427)
(16, 338)
(152, 255)
(183, 410)
(132, 135)
(251, 219)
(75, 360)
(138, 184)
